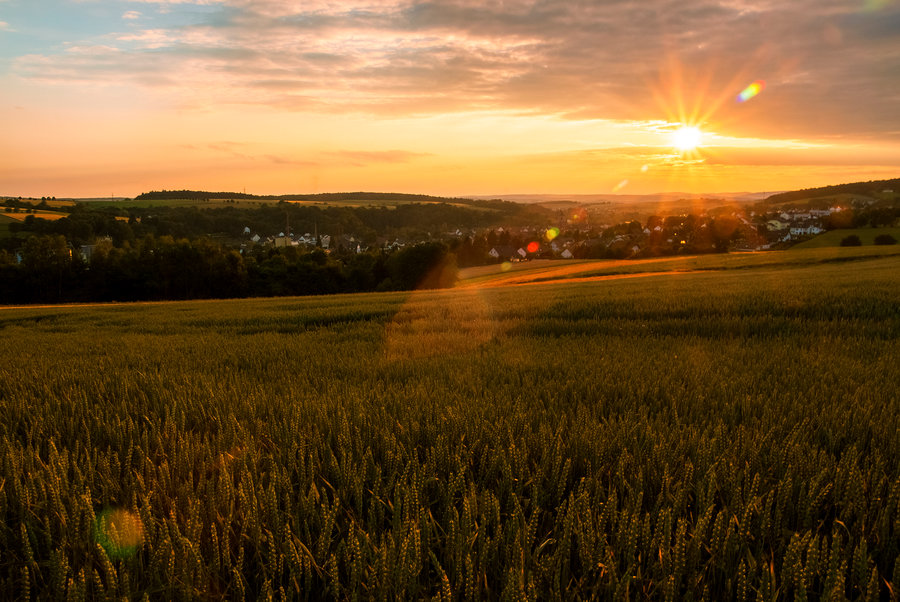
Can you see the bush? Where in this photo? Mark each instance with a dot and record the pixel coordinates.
(851, 241)
(885, 239)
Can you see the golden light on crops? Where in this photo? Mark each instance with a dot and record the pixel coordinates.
(119, 531)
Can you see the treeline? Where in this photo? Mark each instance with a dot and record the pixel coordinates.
(47, 270)
(198, 195)
(414, 221)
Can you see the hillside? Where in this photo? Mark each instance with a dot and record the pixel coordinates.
(325, 197)
(874, 189)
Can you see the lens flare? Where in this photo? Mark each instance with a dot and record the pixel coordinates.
(620, 185)
(751, 90)
(119, 532)
(505, 266)
(551, 233)
(533, 247)
(873, 5)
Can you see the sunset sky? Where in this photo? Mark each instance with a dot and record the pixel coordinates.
(457, 97)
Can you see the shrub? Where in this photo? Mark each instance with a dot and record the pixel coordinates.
(885, 239)
(851, 241)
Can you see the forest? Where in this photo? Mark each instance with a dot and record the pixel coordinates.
(158, 268)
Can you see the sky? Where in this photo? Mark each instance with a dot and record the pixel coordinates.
(452, 97)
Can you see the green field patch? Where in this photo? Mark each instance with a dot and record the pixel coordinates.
(833, 238)
(5, 221)
(553, 270)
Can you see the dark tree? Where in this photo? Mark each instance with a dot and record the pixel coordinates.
(426, 265)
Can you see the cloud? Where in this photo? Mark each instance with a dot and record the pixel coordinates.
(148, 38)
(4, 26)
(830, 67)
(131, 15)
(163, 2)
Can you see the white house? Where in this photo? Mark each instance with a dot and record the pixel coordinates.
(807, 230)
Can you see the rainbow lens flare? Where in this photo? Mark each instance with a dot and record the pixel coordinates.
(551, 234)
(751, 90)
(120, 532)
(533, 247)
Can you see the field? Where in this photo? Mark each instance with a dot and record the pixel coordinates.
(726, 431)
(203, 204)
(38, 213)
(833, 238)
(538, 271)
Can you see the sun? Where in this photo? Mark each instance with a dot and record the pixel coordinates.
(687, 138)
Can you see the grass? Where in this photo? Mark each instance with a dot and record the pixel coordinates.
(724, 434)
(4, 224)
(150, 203)
(554, 270)
(833, 238)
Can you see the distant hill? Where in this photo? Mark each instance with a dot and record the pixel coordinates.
(662, 197)
(872, 188)
(321, 197)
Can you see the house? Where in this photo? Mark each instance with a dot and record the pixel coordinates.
(775, 224)
(86, 252)
(505, 253)
(806, 230)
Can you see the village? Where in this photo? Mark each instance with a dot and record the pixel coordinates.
(577, 236)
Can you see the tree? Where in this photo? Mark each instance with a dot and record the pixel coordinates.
(851, 241)
(426, 265)
(47, 261)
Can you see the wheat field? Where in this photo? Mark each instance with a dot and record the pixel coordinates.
(730, 434)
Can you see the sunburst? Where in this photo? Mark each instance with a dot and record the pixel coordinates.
(687, 138)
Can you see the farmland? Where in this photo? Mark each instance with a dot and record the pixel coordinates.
(834, 237)
(48, 215)
(727, 430)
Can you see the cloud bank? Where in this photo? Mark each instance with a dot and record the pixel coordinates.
(830, 65)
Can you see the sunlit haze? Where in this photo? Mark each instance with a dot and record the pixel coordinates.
(118, 97)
